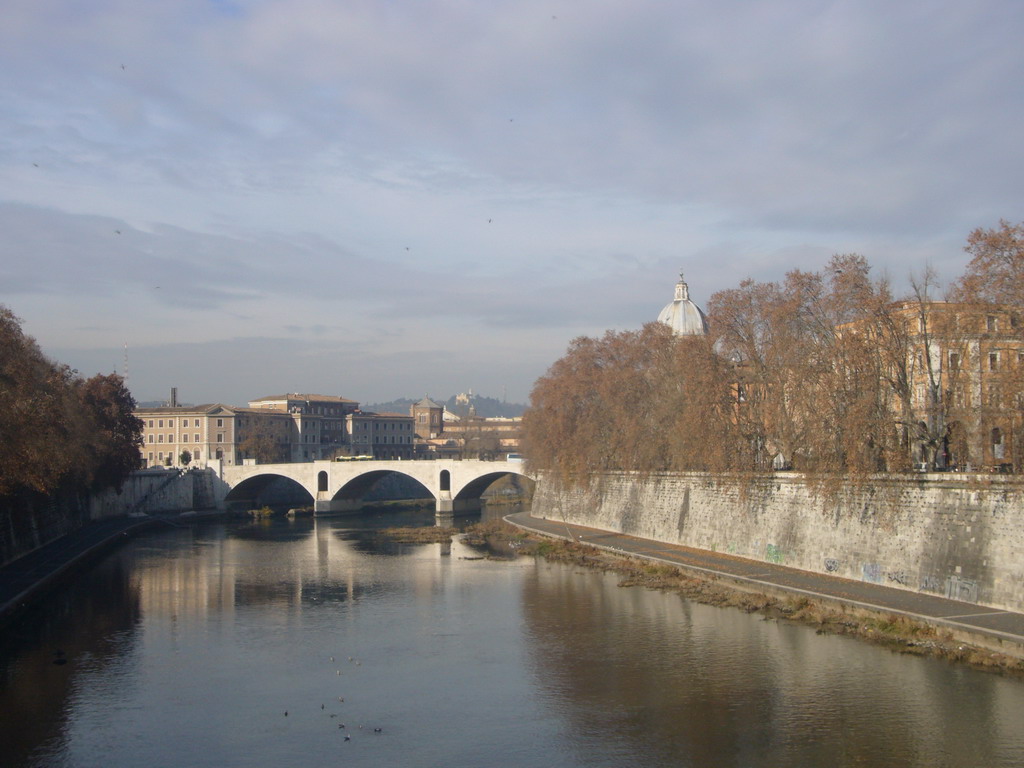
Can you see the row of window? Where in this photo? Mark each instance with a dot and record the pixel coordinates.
(184, 438)
(197, 455)
(159, 423)
(954, 360)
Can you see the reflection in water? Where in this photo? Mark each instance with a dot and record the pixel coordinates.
(649, 674)
(88, 626)
(186, 647)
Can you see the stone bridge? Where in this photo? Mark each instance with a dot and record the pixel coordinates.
(338, 487)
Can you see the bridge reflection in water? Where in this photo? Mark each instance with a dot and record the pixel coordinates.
(337, 487)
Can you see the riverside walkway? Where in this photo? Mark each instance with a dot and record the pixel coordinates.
(976, 624)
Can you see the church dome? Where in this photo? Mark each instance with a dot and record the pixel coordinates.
(683, 316)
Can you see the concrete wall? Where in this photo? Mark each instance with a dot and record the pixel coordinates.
(956, 536)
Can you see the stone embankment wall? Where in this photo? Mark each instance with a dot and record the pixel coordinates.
(955, 536)
(28, 520)
(156, 491)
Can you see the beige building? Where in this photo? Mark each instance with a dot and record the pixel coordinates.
(964, 368)
(204, 433)
(278, 428)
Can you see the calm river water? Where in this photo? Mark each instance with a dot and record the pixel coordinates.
(186, 647)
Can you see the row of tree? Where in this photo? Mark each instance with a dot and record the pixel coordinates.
(825, 371)
(60, 431)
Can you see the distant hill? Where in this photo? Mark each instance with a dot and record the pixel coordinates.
(485, 407)
(401, 405)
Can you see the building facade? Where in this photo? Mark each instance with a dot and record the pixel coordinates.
(277, 428)
(965, 368)
(956, 380)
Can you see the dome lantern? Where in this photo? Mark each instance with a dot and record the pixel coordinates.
(683, 316)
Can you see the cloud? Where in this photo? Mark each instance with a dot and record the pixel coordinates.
(434, 175)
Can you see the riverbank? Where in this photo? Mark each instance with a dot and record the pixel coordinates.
(898, 620)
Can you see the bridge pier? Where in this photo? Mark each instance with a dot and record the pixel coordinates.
(447, 506)
(322, 507)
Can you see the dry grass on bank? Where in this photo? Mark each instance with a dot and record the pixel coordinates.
(432, 535)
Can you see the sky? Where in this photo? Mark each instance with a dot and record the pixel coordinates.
(396, 198)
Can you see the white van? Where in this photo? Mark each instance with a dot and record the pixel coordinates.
(515, 458)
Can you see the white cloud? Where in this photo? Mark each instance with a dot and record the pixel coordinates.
(314, 169)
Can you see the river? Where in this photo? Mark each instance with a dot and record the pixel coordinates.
(252, 644)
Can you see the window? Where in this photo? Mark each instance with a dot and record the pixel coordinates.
(161, 424)
(993, 361)
(195, 438)
(220, 438)
(170, 422)
(197, 456)
(954, 361)
(184, 438)
(990, 323)
(151, 440)
(197, 422)
(220, 422)
(959, 397)
(159, 438)
(998, 448)
(151, 426)
(995, 396)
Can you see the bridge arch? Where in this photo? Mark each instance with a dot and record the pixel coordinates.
(475, 488)
(264, 489)
(355, 489)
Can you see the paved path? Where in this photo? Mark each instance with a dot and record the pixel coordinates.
(1002, 626)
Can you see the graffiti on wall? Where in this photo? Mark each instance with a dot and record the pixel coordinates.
(871, 572)
(962, 589)
(831, 564)
(774, 554)
(897, 577)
